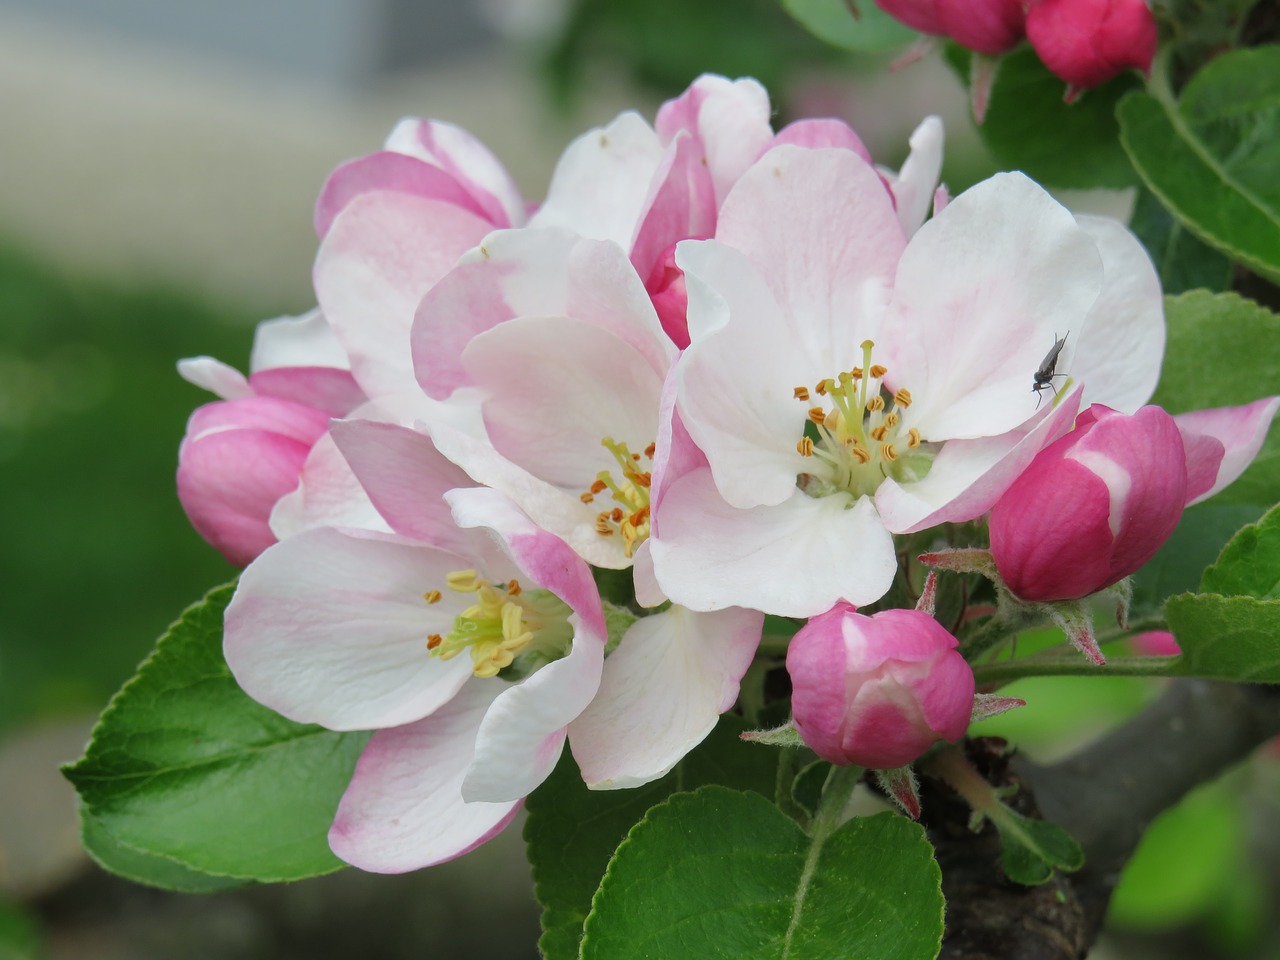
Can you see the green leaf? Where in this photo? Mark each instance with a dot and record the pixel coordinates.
(1249, 565)
(184, 767)
(1182, 261)
(1030, 849)
(1179, 565)
(1028, 126)
(1225, 638)
(1224, 350)
(146, 868)
(1211, 159)
(19, 934)
(1187, 859)
(572, 832)
(871, 30)
(724, 874)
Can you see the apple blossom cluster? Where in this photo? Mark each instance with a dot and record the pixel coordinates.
(1085, 42)
(741, 363)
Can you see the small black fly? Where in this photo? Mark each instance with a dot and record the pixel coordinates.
(1044, 376)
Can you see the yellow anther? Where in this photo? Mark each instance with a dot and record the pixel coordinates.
(879, 432)
(877, 371)
(513, 588)
(913, 438)
(432, 596)
(903, 397)
(817, 415)
(464, 581)
(649, 450)
(860, 453)
(887, 453)
(598, 487)
(801, 393)
(434, 640)
(875, 404)
(891, 420)
(856, 373)
(585, 497)
(805, 447)
(821, 387)
(602, 525)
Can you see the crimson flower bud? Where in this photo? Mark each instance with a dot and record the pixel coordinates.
(237, 459)
(987, 26)
(877, 691)
(1087, 42)
(1092, 507)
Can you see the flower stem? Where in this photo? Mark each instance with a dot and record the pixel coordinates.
(993, 675)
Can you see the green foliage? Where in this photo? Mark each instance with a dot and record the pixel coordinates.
(721, 873)
(97, 550)
(870, 30)
(145, 868)
(665, 44)
(1211, 158)
(1028, 127)
(1183, 262)
(1222, 352)
(1250, 564)
(1030, 849)
(19, 935)
(183, 768)
(572, 831)
(1225, 638)
(1187, 858)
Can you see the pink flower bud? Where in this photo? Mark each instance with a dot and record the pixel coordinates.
(237, 459)
(987, 26)
(1093, 507)
(877, 691)
(1087, 42)
(1155, 643)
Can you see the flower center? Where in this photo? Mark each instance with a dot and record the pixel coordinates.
(858, 439)
(504, 624)
(630, 518)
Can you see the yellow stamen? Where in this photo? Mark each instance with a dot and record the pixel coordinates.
(875, 404)
(805, 447)
(887, 453)
(801, 393)
(877, 371)
(903, 397)
(432, 596)
(817, 415)
(913, 438)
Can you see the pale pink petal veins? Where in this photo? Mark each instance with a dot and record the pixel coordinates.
(403, 809)
(1119, 349)
(395, 172)
(712, 555)
(969, 476)
(1220, 443)
(218, 378)
(326, 494)
(456, 151)
(405, 477)
(602, 182)
(681, 205)
(384, 251)
(981, 291)
(331, 628)
(820, 228)
(663, 690)
(329, 389)
(532, 273)
(915, 184)
(728, 118)
(556, 388)
(302, 341)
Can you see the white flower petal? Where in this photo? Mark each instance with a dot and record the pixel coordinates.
(662, 692)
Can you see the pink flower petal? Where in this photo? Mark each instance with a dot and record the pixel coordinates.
(814, 134)
(403, 809)
(711, 555)
(982, 290)
(327, 494)
(662, 692)
(215, 376)
(916, 183)
(969, 476)
(329, 389)
(331, 628)
(1119, 349)
(1221, 443)
(602, 182)
(383, 252)
(405, 478)
(681, 205)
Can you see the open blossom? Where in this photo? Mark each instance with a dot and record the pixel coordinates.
(243, 453)
(877, 691)
(1097, 504)
(844, 383)
(469, 655)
